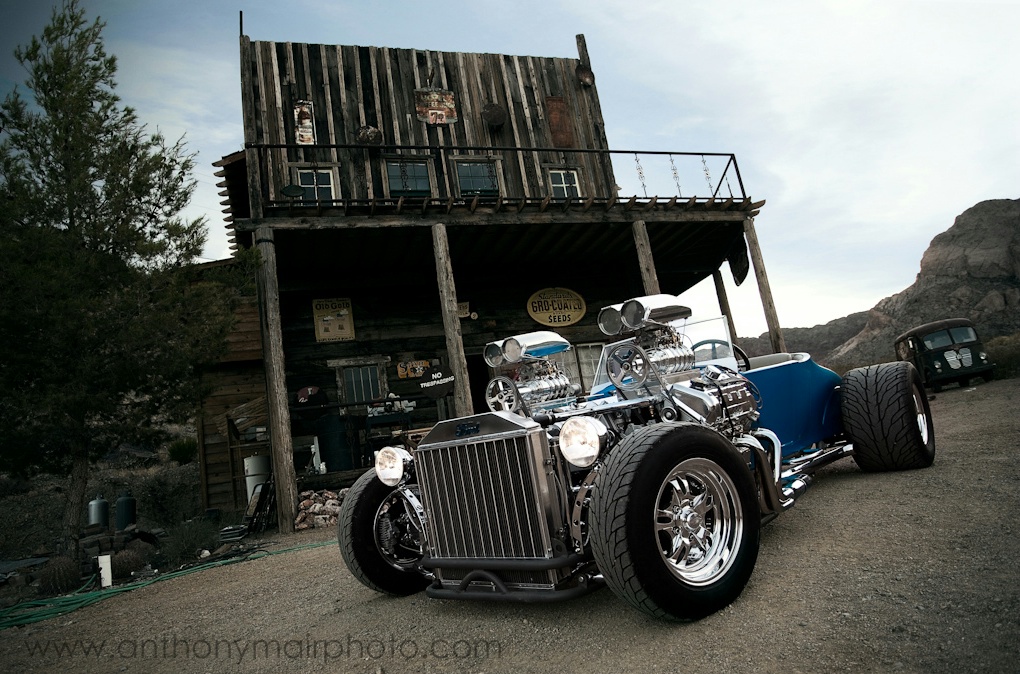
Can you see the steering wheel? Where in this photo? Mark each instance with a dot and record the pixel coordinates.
(743, 362)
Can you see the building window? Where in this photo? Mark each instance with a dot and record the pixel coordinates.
(564, 184)
(477, 178)
(408, 178)
(362, 383)
(581, 363)
(316, 183)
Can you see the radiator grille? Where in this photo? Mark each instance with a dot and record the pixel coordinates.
(483, 499)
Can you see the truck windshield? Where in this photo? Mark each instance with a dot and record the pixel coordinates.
(941, 339)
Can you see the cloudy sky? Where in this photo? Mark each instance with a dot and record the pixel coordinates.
(866, 126)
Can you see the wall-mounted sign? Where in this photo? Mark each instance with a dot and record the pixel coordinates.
(556, 306)
(333, 320)
(435, 106)
(411, 369)
(436, 382)
(304, 123)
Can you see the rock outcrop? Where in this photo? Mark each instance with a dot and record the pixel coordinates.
(971, 270)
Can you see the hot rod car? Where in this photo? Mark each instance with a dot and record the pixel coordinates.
(655, 482)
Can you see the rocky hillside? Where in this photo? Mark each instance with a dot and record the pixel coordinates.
(971, 270)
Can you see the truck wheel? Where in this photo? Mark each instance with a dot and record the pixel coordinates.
(887, 418)
(380, 537)
(930, 379)
(675, 521)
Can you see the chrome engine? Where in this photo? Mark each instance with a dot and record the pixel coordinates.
(535, 381)
(720, 398)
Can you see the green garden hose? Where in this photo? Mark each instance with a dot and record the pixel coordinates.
(28, 612)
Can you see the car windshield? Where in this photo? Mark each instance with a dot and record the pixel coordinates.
(709, 339)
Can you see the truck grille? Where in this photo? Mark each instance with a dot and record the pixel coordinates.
(484, 499)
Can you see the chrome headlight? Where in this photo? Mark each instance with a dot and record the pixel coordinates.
(581, 440)
(390, 464)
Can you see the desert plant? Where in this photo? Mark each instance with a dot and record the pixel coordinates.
(1004, 351)
(60, 576)
(146, 550)
(183, 450)
(185, 541)
(842, 366)
(123, 563)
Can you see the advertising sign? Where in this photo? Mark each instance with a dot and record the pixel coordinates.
(556, 306)
(435, 106)
(333, 320)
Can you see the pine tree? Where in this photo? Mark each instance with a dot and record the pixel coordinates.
(104, 322)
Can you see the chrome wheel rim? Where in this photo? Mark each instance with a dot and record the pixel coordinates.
(922, 416)
(698, 521)
(399, 533)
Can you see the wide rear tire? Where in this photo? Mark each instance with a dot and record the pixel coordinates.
(887, 417)
(675, 523)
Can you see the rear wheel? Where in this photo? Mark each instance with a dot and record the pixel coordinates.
(675, 521)
(380, 537)
(886, 415)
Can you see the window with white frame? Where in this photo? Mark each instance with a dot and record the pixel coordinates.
(408, 178)
(317, 184)
(564, 184)
(477, 178)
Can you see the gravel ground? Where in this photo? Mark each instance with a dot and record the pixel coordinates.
(897, 572)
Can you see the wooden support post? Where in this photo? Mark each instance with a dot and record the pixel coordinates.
(771, 317)
(462, 405)
(724, 302)
(643, 245)
(277, 400)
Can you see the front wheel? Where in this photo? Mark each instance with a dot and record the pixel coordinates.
(675, 521)
(380, 536)
(887, 417)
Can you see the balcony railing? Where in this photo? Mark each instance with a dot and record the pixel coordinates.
(603, 174)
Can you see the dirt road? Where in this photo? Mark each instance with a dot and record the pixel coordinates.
(899, 572)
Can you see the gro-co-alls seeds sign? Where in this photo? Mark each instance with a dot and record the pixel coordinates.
(556, 306)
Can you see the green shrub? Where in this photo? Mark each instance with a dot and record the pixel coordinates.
(185, 541)
(170, 495)
(1005, 353)
(183, 450)
(123, 563)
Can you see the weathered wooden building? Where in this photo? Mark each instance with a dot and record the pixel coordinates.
(411, 206)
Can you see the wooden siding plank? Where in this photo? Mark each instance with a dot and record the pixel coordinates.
(391, 73)
(328, 69)
(514, 122)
